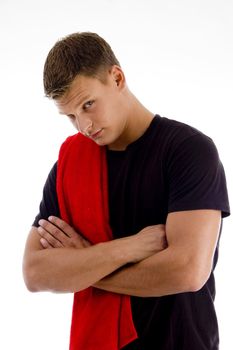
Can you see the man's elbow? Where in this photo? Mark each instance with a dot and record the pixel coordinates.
(29, 280)
(31, 276)
(197, 277)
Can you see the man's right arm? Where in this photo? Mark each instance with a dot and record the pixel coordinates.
(71, 269)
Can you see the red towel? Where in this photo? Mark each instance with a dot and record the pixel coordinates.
(101, 320)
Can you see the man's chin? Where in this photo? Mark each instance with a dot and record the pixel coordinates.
(100, 142)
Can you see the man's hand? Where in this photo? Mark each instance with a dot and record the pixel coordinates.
(149, 241)
(160, 235)
(56, 233)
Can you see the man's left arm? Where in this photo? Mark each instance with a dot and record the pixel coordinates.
(184, 266)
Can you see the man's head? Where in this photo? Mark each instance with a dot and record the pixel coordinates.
(77, 54)
(86, 82)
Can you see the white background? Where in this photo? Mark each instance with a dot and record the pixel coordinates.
(177, 56)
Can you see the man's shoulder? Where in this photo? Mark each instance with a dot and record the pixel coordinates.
(176, 127)
(175, 132)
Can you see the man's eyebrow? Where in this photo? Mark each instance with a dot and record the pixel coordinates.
(86, 97)
(81, 101)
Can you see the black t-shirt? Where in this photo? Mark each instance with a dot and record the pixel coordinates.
(171, 167)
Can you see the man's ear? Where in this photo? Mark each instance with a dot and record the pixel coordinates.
(118, 76)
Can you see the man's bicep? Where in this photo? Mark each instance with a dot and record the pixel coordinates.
(49, 203)
(193, 234)
(196, 177)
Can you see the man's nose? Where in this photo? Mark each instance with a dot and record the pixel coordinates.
(88, 129)
(84, 125)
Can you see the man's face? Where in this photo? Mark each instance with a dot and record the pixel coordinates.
(96, 109)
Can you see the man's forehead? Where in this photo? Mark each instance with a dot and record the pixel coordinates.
(72, 97)
(78, 91)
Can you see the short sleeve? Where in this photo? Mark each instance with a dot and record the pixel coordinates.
(49, 203)
(196, 177)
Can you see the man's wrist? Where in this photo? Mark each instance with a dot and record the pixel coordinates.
(120, 251)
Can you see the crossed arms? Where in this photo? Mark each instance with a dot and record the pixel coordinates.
(159, 260)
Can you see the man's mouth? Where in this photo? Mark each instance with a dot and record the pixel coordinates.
(93, 136)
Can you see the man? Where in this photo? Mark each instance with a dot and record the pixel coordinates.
(166, 196)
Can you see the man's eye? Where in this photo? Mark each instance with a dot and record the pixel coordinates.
(88, 104)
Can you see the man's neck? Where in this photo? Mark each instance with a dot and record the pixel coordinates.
(138, 122)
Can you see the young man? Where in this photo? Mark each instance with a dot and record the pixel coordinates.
(141, 266)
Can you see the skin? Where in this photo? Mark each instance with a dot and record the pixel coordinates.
(110, 107)
(159, 260)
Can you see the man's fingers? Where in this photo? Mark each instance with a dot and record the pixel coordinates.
(45, 244)
(55, 231)
(54, 242)
(66, 228)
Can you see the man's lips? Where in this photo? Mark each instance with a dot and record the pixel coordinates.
(96, 134)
